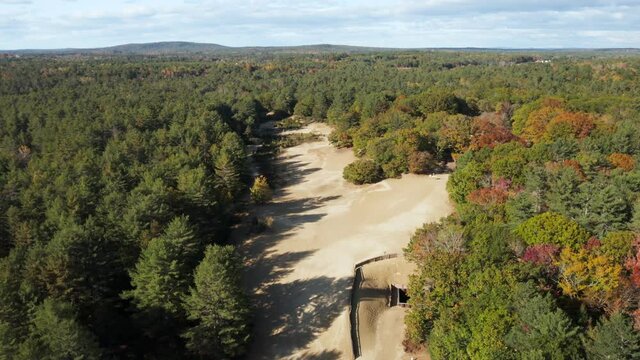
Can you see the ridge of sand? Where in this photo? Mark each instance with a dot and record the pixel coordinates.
(300, 271)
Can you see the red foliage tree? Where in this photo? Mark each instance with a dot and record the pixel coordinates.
(633, 265)
(488, 134)
(592, 243)
(636, 319)
(502, 184)
(488, 196)
(541, 254)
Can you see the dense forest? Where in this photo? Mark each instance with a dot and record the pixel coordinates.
(120, 176)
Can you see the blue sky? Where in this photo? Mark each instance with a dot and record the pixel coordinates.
(400, 23)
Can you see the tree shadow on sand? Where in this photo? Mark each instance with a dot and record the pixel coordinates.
(323, 355)
(290, 316)
(291, 171)
(264, 263)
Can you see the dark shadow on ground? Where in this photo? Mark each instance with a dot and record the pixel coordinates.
(292, 172)
(288, 316)
(264, 265)
(271, 267)
(363, 294)
(292, 315)
(286, 216)
(300, 310)
(324, 355)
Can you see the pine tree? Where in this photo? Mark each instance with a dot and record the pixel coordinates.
(228, 177)
(520, 208)
(613, 338)
(148, 205)
(562, 196)
(163, 273)
(608, 210)
(13, 310)
(81, 264)
(542, 330)
(56, 334)
(218, 306)
(635, 220)
(536, 185)
(229, 162)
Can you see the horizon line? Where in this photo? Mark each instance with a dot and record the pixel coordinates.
(317, 44)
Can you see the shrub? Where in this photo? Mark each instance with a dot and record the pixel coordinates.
(260, 191)
(340, 139)
(363, 171)
(296, 139)
(261, 224)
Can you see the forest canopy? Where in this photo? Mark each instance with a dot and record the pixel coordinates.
(119, 179)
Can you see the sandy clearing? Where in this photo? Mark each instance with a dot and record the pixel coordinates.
(300, 271)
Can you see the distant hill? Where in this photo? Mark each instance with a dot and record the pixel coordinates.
(192, 48)
(188, 48)
(158, 48)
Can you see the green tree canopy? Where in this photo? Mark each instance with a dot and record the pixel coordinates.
(552, 228)
(217, 306)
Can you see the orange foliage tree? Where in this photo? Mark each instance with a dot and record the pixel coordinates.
(622, 161)
(536, 124)
(573, 164)
(455, 133)
(574, 124)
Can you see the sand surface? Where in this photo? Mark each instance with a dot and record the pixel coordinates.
(301, 270)
(381, 328)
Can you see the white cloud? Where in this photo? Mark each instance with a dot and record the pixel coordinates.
(401, 23)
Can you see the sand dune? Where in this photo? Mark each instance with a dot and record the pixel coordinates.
(300, 271)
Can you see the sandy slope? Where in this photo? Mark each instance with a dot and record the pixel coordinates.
(381, 328)
(300, 271)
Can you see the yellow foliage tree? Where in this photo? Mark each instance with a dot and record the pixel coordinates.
(260, 191)
(588, 276)
(536, 124)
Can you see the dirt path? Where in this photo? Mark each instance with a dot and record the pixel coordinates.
(300, 271)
